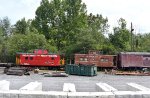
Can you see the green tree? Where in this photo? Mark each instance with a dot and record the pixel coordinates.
(142, 42)
(97, 26)
(26, 43)
(60, 21)
(121, 37)
(21, 26)
(5, 27)
(1, 35)
(5, 32)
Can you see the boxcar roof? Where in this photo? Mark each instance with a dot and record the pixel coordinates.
(36, 54)
(138, 53)
(93, 54)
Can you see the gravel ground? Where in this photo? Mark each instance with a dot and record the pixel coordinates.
(82, 83)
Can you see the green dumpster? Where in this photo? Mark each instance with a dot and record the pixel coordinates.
(82, 70)
(72, 69)
(87, 70)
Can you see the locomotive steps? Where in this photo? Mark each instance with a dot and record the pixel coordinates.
(34, 90)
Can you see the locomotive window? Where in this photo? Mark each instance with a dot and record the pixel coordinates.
(26, 58)
(104, 60)
(52, 58)
(31, 58)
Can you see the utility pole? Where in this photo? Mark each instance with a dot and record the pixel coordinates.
(132, 37)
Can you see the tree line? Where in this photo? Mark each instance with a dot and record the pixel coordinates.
(65, 27)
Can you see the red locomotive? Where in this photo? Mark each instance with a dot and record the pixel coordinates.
(40, 58)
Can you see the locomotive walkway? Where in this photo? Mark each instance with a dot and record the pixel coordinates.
(104, 90)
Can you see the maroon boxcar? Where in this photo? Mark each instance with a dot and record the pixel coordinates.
(40, 58)
(86, 59)
(93, 58)
(134, 59)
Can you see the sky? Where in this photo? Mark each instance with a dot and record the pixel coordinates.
(135, 11)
